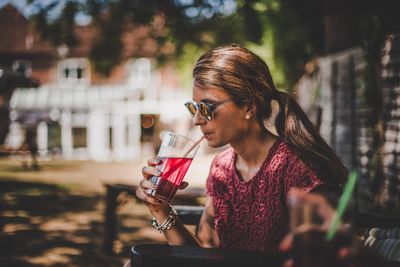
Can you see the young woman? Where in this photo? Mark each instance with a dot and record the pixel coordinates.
(273, 147)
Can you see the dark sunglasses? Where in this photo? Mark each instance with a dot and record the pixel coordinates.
(206, 110)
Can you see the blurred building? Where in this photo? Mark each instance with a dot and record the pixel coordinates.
(78, 113)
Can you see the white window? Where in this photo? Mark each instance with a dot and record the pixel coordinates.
(74, 70)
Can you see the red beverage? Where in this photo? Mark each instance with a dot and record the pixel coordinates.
(172, 172)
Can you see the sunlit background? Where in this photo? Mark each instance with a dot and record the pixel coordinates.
(93, 85)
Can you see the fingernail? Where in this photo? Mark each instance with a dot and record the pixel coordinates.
(158, 160)
(157, 173)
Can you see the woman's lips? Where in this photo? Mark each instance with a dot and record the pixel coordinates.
(207, 135)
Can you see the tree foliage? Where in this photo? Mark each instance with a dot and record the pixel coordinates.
(203, 23)
(59, 30)
(297, 30)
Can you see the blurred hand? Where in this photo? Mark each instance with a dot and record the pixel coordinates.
(325, 213)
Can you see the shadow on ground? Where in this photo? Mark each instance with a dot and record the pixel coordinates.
(47, 225)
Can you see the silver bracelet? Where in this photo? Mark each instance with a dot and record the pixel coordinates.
(169, 222)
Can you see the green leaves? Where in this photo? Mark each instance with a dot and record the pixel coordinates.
(253, 27)
(296, 30)
(58, 30)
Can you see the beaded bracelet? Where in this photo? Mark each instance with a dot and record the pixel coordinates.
(169, 222)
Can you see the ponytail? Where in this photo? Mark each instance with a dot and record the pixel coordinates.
(297, 130)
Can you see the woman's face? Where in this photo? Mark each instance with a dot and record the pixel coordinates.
(228, 124)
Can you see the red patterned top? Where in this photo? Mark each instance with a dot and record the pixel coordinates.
(253, 215)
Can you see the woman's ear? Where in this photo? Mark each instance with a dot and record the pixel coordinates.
(250, 112)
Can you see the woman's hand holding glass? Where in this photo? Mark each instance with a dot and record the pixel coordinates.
(155, 206)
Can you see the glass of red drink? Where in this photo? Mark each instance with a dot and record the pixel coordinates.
(176, 154)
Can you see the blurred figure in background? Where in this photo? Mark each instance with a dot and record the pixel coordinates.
(29, 148)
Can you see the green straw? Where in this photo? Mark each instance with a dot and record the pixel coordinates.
(343, 202)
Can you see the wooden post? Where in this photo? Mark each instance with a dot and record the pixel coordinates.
(110, 219)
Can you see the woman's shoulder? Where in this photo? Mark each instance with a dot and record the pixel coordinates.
(284, 154)
(286, 158)
(284, 148)
(296, 172)
(220, 173)
(222, 163)
(223, 158)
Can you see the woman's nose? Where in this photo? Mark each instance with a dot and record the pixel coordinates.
(198, 119)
